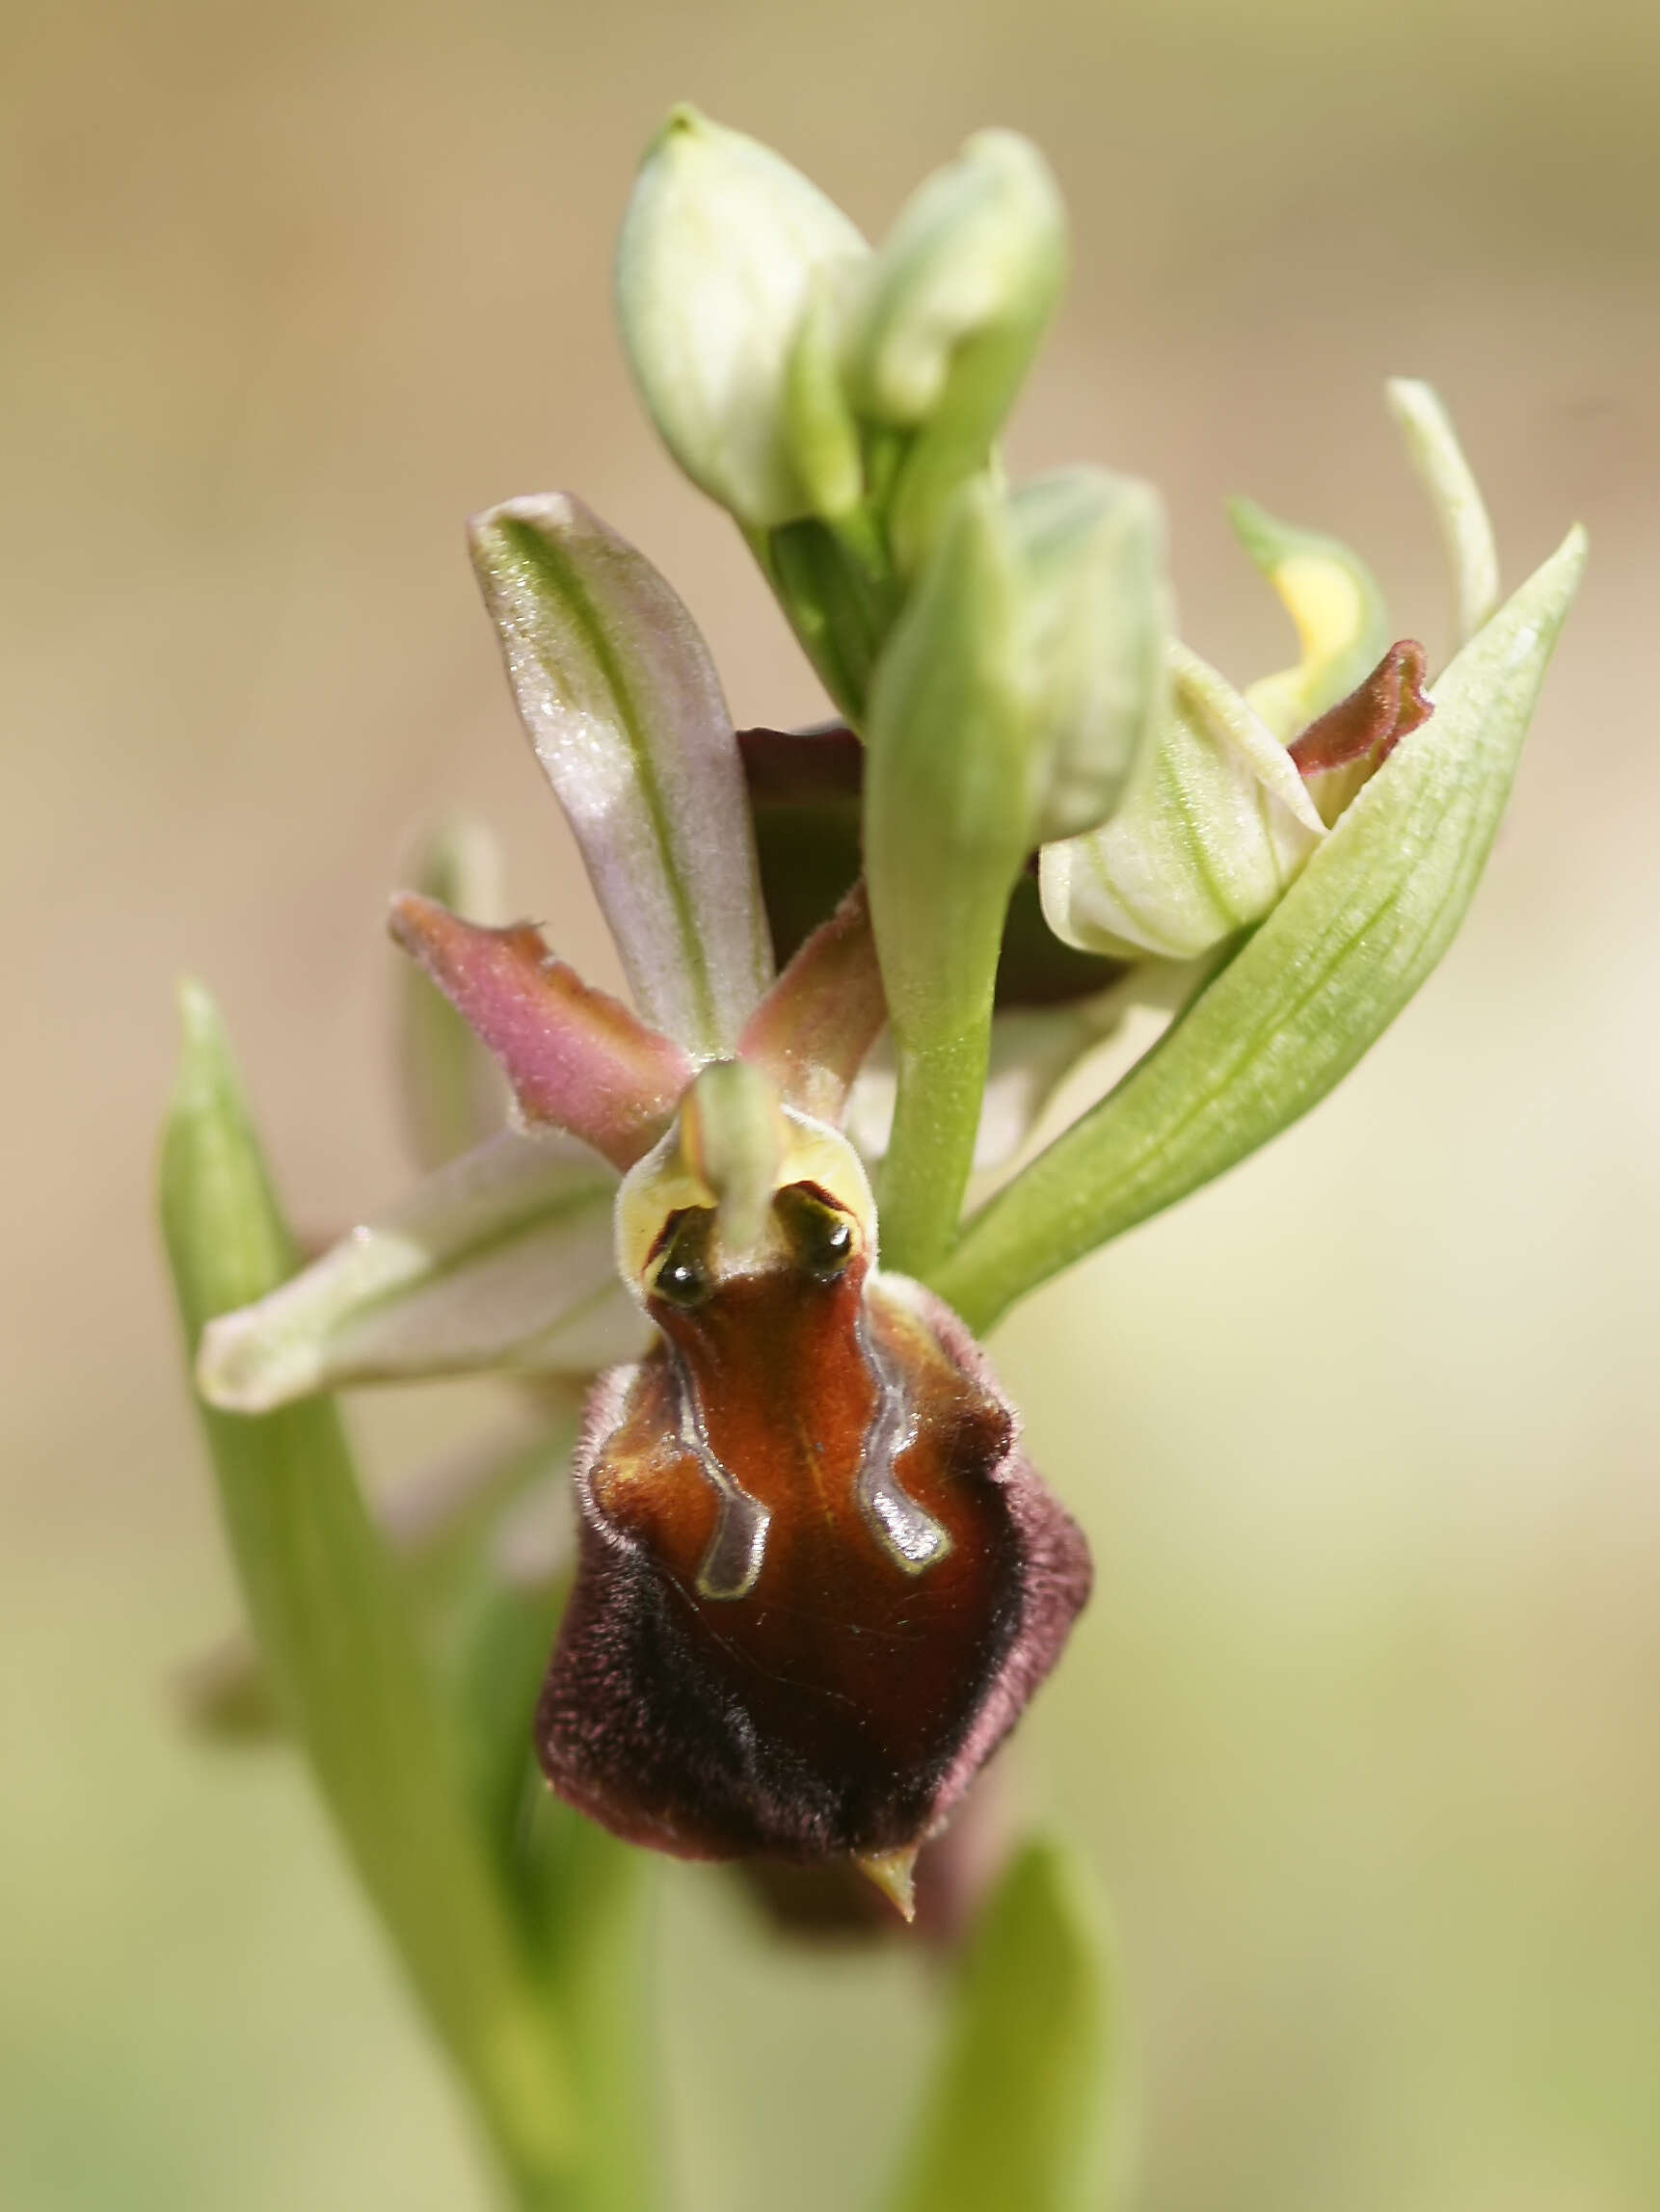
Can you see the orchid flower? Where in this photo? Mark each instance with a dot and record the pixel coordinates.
(810, 1482)
(817, 1579)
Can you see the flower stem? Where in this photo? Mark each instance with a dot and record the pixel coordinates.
(930, 1150)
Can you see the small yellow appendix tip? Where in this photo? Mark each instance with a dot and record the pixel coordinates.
(892, 1872)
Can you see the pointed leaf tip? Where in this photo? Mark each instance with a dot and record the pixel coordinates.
(1021, 2108)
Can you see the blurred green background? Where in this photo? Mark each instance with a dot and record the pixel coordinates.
(1361, 1730)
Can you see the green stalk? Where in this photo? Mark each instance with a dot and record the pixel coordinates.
(930, 1148)
(947, 821)
(341, 1654)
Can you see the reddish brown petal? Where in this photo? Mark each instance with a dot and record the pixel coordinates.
(815, 1026)
(575, 1056)
(804, 790)
(906, 1580)
(1369, 724)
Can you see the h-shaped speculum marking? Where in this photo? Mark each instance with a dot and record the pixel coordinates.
(913, 1539)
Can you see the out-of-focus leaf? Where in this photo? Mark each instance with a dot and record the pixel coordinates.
(625, 710)
(595, 1902)
(433, 1525)
(1460, 511)
(1318, 982)
(453, 1095)
(340, 1647)
(1019, 2113)
(501, 1258)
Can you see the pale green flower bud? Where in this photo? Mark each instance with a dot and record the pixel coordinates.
(719, 252)
(1094, 623)
(1217, 825)
(945, 318)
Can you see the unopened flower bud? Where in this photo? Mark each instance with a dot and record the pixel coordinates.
(719, 252)
(1216, 827)
(946, 317)
(1094, 618)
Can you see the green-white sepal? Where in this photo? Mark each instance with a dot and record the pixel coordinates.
(622, 704)
(1308, 992)
(503, 1259)
(945, 318)
(1216, 826)
(1094, 617)
(1333, 599)
(720, 249)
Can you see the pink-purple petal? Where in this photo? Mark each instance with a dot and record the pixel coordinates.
(576, 1058)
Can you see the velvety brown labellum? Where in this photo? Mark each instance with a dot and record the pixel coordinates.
(817, 1580)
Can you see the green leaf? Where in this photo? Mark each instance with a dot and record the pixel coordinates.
(585, 1898)
(600, 1949)
(1018, 2116)
(948, 821)
(1317, 984)
(434, 1525)
(1461, 513)
(339, 1648)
